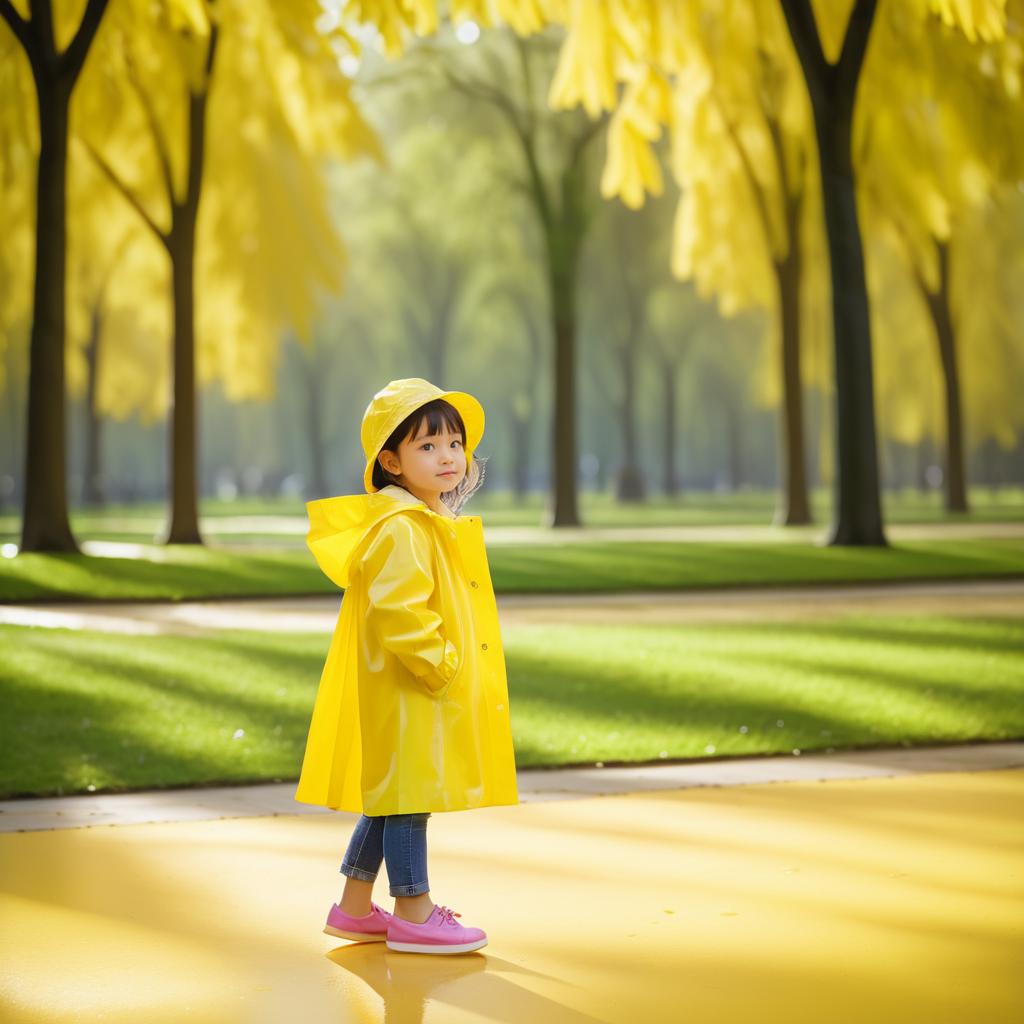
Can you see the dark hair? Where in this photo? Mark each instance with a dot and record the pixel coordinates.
(435, 415)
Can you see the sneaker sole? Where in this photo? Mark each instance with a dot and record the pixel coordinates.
(425, 947)
(355, 936)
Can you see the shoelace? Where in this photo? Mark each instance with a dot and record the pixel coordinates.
(447, 915)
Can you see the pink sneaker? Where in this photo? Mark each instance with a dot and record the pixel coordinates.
(440, 933)
(371, 928)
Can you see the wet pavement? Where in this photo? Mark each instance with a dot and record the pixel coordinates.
(882, 899)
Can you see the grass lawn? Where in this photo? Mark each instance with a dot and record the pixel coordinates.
(89, 711)
(182, 571)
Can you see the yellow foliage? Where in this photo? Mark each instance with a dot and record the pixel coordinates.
(117, 270)
(903, 345)
(832, 18)
(523, 16)
(586, 66)
(988, 268)
(394, 18)
(978, 19)
(268, 251)
(632, 167)
(18, 146)
(933, 146)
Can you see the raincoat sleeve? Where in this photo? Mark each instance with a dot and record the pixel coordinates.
(397, 568)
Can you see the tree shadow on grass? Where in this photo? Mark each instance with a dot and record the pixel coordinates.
(171, 576)
(714, 696)
(56, 728)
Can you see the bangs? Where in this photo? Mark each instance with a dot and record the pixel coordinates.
(435, 418)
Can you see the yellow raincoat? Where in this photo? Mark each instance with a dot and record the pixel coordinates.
(412, 711)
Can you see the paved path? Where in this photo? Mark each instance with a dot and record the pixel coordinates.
(741, 534)
(892, 900)
(534, 785)
(290, 531)
(318, 614)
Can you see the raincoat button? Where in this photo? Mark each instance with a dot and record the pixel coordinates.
(474, 584)
(483, 647)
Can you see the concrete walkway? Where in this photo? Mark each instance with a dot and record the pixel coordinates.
(202, 804)
(895, 900)
(293, 529)
(290, 531)
(318, 614)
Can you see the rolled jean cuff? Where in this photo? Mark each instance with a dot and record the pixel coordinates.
(360, 873)
(410, 890)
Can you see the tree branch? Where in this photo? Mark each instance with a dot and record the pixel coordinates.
(74, 56)
(760, 200)
(524, 64)
(579, 144)
(803, 31)
(154, 126)
(476, 89)
(20, 27)
(116, 181)
(855, 45)
(211, 51)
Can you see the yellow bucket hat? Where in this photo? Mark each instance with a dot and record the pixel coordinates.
(397, 400)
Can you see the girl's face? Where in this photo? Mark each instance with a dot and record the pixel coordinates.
(430, 463)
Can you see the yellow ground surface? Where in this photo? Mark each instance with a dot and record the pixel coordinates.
(876, 901)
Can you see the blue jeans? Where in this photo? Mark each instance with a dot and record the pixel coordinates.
(398, 839)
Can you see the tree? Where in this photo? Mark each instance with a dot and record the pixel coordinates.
(502, 76)
(179, 237)
(288, 108)
(287, 125)
(748, 225)
(611, 41)
(627, 260)
(675, 317)
(940, 141)
(45, 523)
(832, 86)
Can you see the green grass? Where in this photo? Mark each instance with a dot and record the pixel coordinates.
(169, 573)
(86, 710)
(182, 571)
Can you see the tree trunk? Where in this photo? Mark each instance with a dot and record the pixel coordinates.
(181, 245)
(668, 417)
(442, 323)
(858, 513)
(45, 524)
(315, 428)
(520, 438)
(923, 461)
(564, 236)
(794, 508)
(630, 481)
(184, 524)
(92, 477)
(734, 433)
(563, 468)
(945, 334)
(857, 517)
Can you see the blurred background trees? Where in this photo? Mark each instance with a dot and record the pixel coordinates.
(265, 221)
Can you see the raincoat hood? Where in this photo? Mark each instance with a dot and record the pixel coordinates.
(338, 526)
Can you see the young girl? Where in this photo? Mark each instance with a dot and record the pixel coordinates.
(412, 715)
